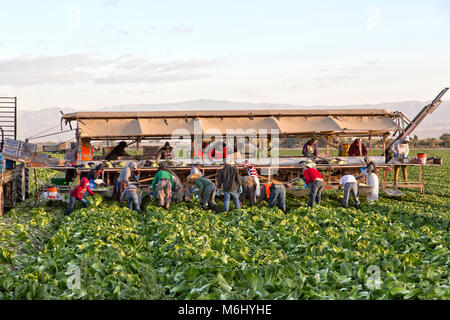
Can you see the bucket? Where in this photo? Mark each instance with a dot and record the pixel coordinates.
(52, 192)
(343, 149)
(422, 158)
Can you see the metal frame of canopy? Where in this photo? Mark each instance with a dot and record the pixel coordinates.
(140, 126)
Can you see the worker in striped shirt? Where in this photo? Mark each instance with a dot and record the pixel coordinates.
(251, 170)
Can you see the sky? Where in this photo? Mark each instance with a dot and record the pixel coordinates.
(97, 53)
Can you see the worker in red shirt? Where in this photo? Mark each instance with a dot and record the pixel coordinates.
(78, 194)
(313, 180)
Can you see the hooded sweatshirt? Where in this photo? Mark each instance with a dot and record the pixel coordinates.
(80, 189)
(125, 174)
(401, 148)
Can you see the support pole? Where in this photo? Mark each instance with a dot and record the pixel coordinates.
(327, 146)
(35, 186)
(2, 199)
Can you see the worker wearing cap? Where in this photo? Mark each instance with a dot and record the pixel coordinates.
(313, 180)
(400, 150)
(118, 151)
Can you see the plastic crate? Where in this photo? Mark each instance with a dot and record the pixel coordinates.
(60, 181)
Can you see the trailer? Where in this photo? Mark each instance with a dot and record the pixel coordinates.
(263, 127)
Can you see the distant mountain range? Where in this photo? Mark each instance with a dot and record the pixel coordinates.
(31, 123)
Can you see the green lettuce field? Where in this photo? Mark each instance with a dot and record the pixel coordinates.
(397, 248)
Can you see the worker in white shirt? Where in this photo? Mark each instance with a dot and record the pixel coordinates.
(371, 171)
(350, 187)
(400, 149)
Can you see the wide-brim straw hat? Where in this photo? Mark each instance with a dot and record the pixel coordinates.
(310, 164)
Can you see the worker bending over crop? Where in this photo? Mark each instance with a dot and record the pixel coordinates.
(313, 180)
(130, 192)
(252, 172)
(249, 190)
(274, 193)
(128, 172)
(230, 181)
(78, 193)
(350, 187)
(162, 186)
(206, 189)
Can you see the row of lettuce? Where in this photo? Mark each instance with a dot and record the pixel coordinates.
(395, 249)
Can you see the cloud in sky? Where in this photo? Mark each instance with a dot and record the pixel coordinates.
(124, 32)
(373, 18)
(29, 70)
(336, 76)
(182, 29)
(111, 2)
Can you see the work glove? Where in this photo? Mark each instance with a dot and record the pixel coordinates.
(240, 190)
(218, 193)
(395, 154)
(84, 202)
(135, 177)
(306, 186)
(196, 196)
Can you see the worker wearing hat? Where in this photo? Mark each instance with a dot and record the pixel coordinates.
(118, 151)
(165, 153)
(400, 150)
(313, 180)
